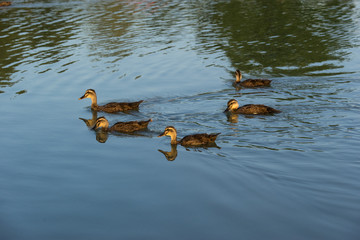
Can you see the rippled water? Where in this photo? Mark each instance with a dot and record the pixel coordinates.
(294, 175)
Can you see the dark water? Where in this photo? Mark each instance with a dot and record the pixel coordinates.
(295, 175)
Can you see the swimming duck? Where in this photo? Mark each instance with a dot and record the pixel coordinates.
(195, 140)
(233, 107)
(4, 4)
(111, 107)
(124, 127)
(250, 83)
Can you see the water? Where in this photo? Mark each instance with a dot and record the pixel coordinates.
(294, 175)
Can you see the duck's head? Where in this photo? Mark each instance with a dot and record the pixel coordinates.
(238, 76)
(232, 105)
(169, 131)
(101, 122)
(90, 93)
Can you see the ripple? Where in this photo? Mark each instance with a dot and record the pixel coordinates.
(179, 56)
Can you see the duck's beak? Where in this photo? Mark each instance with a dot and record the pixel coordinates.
(162, 134)
(163, 152)
(83, 119)
(83, 96)
(227, 109)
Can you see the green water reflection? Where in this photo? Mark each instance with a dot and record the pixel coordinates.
(275, 37)
(281, 37)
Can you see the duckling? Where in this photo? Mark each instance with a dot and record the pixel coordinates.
(196, 140)
(111, 107)
(233, 107)
(124, 127)
(250, 83)
(5, 4)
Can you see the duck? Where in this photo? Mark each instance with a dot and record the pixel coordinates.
(5, 4)
(196, 140)
(250, 83)
(111, 107)
(123, 127)
(251, 109)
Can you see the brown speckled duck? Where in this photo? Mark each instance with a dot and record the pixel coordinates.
(253, 109)
(5, 4)
(250, 83)
(111, 107)
(196, 140)
(124, 127)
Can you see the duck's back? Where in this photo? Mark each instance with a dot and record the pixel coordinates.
(199, 139)
(131, 126)
(5, 4)
(256, 109)
(119, 106)
(255, 83)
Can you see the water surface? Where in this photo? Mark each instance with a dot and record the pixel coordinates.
(294, 175)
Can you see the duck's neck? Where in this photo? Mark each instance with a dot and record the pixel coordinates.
(171, 156)
(238, 78)
(173, 138)
(93, 101)
(91, 122)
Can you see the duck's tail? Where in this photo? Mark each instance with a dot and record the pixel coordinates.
(136, 104)
(145, 123)
(273, 110)
(214, 136)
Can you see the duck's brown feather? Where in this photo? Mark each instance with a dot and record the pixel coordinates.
(201, 139)
(4, 4)
(131, 126)
(113, 107)
(250, 83)
(256, 109)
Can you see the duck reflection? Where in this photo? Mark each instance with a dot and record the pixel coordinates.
(170, 156)
(101, 136)
(232, 118)
(90, 122)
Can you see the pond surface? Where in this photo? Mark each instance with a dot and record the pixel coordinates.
(293, 175)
